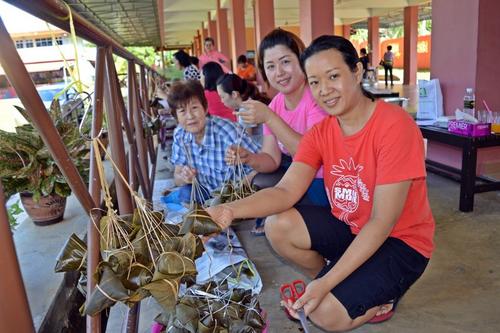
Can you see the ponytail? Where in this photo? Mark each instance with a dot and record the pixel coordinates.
(232, 82)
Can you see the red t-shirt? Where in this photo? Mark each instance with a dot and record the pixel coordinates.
(388, 149)
(216, 107)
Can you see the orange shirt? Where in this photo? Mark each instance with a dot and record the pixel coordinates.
(388, 149)
(247, 73)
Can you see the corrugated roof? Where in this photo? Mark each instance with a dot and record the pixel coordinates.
(129, 22)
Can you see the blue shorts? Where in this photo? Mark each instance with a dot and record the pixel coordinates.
(384, 277)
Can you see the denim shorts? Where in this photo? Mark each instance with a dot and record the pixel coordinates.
(383, 278)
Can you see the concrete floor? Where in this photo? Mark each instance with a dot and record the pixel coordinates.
(459, 292)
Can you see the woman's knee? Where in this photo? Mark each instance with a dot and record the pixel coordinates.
(277, 226)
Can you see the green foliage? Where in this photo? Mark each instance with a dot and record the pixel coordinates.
(14, 210)
(25, 161)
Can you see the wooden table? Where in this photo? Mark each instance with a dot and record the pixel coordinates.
(470, 184)
(381, 93)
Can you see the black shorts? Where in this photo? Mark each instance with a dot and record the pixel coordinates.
(384, 277)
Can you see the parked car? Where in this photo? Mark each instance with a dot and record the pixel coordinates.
(10, 118)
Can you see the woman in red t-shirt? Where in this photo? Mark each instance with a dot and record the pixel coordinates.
(376, 238)
(210, 73)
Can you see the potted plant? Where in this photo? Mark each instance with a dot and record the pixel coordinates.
(26, 167)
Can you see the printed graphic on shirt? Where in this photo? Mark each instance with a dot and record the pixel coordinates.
(347, 189)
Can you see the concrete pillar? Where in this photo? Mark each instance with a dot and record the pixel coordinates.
(212, 29)
(199, 44)
(316, 19)
(410, 44)
(346, 31)
(465, 52)
(222, 33)
(238, 37)
(203, 32)
(263, 18)
(373, 40)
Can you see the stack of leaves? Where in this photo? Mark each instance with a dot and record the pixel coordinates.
(231, 191)
(198, 222)
(212, 308)
(140, 258)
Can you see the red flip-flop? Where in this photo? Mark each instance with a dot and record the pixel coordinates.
(381, 318)
(384, 317)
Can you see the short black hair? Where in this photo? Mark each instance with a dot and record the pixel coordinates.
(182, 92)
(389, 47)
(194, 60)
(209, 39)
(279, 37)
(211, 71)
(342, 45)
(242, 59)
(183, 58)
(362, 51)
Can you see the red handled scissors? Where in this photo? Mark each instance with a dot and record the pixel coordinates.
(292, 292)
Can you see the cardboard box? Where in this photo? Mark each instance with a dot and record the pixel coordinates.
(468, 129)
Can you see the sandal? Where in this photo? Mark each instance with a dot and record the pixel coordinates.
(258, 230)
(386, 316)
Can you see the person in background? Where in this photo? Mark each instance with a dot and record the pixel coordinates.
(210, 73)
(289, 115)
(388, 61)
(375, 240)
(183, 62)
(245, 69)
(211, 54)
(233, 91)
(201, 140)
(363, 58)
(195, 61)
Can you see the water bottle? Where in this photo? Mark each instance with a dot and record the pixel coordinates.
(469, 101)
(241, 122)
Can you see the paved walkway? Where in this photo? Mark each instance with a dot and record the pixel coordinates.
(457, 294)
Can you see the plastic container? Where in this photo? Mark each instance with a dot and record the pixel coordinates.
(469, 101)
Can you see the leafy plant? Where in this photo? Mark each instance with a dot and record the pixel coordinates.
(12, 211)
(25, 161)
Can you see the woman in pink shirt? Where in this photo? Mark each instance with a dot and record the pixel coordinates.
(210, 72)
(289, 115)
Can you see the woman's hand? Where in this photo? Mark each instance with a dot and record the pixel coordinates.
(221, 214)
(235, 154)
(309, 301)
(255, 112)
(187, 174)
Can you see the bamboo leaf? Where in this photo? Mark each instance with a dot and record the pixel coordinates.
(72, 256)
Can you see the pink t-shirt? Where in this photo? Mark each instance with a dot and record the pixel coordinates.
(215, 57)
(216, 107)
(303, 117)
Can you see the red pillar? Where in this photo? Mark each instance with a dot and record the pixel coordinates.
(203, 33)
(222, 32)
(238, 38)
(263, 18)
(212, 29)
(373, 40)
(316, 19)
(199, 44)
(465, 52)
(346, 31)
(410, 44)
